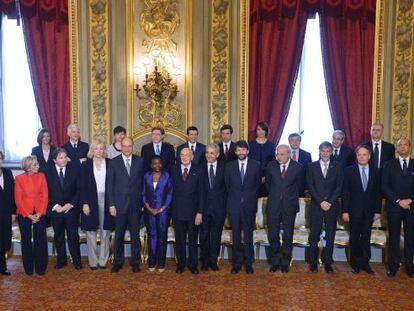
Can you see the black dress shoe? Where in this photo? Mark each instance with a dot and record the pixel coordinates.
(214, 267)
(313, 267)
(355, 270)
(78, 266)
(249, 270)
(29, 273)
(391, 273)
(235, 270)
(60, 266)
(179, 270)
(115, 269)
(94, 268)
(367, 269)
(285, 269)
(102, 267)
(194, 270)
(5, 272)
(41, 273)
(274, 268)
(328, 268)
(409, 272)
(136, 268)
(204, 267)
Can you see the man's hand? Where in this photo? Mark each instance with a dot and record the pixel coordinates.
(13, 218)
(112, 211)
(198, 219)
(67, 207)
(86, 210)
(377, 216)
(405, 203)
(325, 205)
(345, 217)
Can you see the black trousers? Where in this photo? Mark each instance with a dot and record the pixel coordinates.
(130, 220)
(210, 238)
(66, 223)
(360, 239)
(3, 265)
(182, 229)
(280, 255)
(243, 253)
(394, 228)
(34, 253)
(318, 219)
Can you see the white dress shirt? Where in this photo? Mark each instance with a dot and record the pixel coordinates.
(323, 164)
(407, 160)
(73, 142)
(297, 154)
(100, 176)
(125, 159)
(159, 146)
(286, 166)
(2, 180)
(366, 171)
(214, 167)
(245, 165)
(194, 146)
(63, 170)
(187, 167)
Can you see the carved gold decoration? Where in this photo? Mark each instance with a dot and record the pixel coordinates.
(98, 70)
(378, 86)
(403, 64)
(244, 68)
(220, 69)
(73, 61)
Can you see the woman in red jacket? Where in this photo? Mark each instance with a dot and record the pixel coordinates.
(31, 202)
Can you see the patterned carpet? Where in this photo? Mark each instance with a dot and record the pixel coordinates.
(69, 289)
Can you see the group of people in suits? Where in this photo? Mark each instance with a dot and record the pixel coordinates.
(103, 189)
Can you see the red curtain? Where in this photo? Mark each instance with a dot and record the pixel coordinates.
(276, 38)
(46, 32)
(277, 29)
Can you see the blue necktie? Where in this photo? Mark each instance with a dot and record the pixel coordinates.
(157, 150)
(61, 177)
(242, 173)
(364, 179)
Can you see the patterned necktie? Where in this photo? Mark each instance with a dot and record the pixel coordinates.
(364, 179)
(211, 176)
(242, 172)
(294, 158)
(376, 156)
(157, 150)
(185, 174)
(226, 151)
(61, 177)
(405, 168)
(128, 166)
(325, 169)
(284, 170)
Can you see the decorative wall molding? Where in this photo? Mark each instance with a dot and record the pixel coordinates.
(402, 92)
(99, 70)
(73, 61)
(244, 68)
(220, 67)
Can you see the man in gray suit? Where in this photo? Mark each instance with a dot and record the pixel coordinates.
(124, 182)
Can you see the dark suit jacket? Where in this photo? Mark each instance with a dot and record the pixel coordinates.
(68, 194)
(395, 186)
(322, 189)
(355, 201)
(167, 155)
(199, 154)
(305, 158)
(38, 152)
(346, 156)
(7, 208)
(245, 194)
(232, 156)
(125, 191)
(89, 195)
(188, 195)
(284, 192)
(387, 152)
(76, 154)
(214, 198)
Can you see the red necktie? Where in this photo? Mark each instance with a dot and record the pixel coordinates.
(226, 151)
(283, 171)
(185, 174)
(294, 156)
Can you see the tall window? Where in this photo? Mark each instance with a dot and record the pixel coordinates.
(309, 111)
(21, 121)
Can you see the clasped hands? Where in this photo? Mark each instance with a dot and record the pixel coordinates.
(405, 203)
(63, 209)
(325, 205)
(35, 217)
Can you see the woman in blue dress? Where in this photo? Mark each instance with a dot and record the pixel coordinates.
(157, 195)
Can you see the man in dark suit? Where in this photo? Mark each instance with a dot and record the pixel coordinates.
(7, 213)
(76, 149)
(242, 178)
(285, 182)
(297, 154)
(226, 145)
(187, 209)
(398, 188)
(381, 151)
(63, 207)
(325, 178)
(361, 205)
(198, 149)
(342, 153)
(157, 146)
(214, 213)
(124, 191)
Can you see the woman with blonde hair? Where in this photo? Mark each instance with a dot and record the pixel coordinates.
(31, 196)
(95, 215)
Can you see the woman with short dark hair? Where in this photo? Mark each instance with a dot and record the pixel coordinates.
(44, 150)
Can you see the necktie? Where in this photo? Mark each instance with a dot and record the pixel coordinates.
(211, 176)
(336, 153)
(294, 158)
(242, 172)
(185, 174)
(226, 151)
(75, 145)
(61, 177)
(376, 156)
(283, 171)
(128, 165)
(325, 169)
(364, 179)
(405, 168)
(192, 148)
(157, 150)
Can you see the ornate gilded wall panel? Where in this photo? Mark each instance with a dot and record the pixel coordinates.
(244, 68)
(402, 93)
(220, 68)
(99, 69)
(73, 61)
